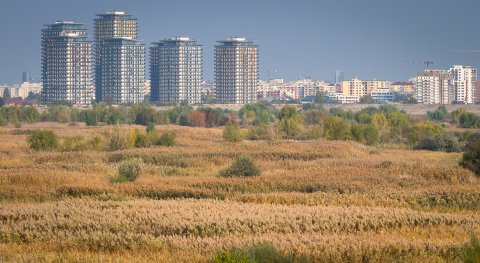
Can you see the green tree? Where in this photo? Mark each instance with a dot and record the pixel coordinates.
(2, 102)
(289, 121)
(337, 129)
(371, 135)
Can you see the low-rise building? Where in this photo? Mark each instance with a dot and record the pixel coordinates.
(383, 96)
(360, 88)
(341, 98)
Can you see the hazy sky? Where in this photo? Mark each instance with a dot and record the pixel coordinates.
(366, 38)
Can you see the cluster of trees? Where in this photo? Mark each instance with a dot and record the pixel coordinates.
(17, 115)
(111, 140)
(460, 117)
(262, 121)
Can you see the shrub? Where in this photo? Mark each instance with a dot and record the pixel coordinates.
(441, 142)
(259, 253)
(116, 140)
(471, 159)
(150, 127)
(471, 251)
(129, 170)
(242, 166)
(43, 140)
(167, 139)
(91, 118)
(232, 133)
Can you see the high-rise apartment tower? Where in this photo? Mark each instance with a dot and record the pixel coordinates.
(116, 25)
(236, 70)
(66, 64)
(176, 70)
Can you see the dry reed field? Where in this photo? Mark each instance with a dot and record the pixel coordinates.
(328, 200)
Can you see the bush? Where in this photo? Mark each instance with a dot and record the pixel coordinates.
(442, 142)
(471, 251)
(116, 140)
(167, 139)
(43, 140)
(232, 133)
(129, 170)
(471, 159)
(259, 253)
(242, 166)
(150, 127)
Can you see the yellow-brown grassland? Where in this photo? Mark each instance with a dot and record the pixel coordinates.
(328, 200)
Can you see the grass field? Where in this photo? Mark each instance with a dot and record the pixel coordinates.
(327, 200)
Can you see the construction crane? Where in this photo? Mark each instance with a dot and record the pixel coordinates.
(427, 63)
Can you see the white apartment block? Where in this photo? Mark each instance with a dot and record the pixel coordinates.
(341, 98)
(464, 81)
(434, 87)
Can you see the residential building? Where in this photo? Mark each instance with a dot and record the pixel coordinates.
(434, 87)
(236, 70)
(465, 82)
(176, 70)
(383, 95)
(66, 64)
(403, 87)
(114, 24)
(122, 71)
(339, 98)
(360, 88)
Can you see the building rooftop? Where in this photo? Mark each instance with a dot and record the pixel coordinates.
(237, 41)
(115, 15)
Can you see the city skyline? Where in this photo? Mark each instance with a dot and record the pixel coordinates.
(385, 35)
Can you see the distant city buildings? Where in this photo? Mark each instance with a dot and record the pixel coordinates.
(236, 71)
(339, 76)
(66, 64)
(119, 53)
(176, 70)
(434, 87)
(465, 83)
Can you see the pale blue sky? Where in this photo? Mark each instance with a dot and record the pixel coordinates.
(366, 38)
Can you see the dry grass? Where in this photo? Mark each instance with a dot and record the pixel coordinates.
(329, 200)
